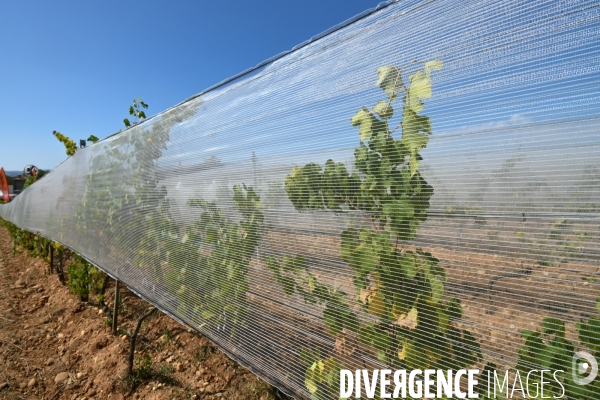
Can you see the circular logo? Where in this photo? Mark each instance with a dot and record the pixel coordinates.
(584, 364)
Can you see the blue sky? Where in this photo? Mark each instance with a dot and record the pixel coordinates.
(76, 66)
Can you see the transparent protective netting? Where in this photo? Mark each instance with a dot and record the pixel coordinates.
(461, 231)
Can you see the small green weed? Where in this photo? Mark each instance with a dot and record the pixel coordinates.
(146, 371)
(262, 390)
(143, 367)
(203, 353)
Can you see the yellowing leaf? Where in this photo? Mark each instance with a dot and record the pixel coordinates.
(313, 375)
(376, 305)
(318, 366)
(402, 352)
(376, 279)
(409, 320)
(310, 385)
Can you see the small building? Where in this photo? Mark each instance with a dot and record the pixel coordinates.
(18, 184)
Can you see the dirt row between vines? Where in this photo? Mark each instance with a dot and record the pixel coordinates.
(52, 346)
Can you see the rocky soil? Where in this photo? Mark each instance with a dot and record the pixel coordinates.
(52, 346)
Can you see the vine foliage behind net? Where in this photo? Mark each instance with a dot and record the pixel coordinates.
(415, 189)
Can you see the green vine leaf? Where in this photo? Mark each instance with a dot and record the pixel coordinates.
(383, 109)
(390, 80)
(434, 65)
(364, 119)
(437, 290)
(403, 290)
(553, 326)
(420, 89)
(92, 139)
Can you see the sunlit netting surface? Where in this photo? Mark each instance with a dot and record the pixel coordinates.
(457, 225)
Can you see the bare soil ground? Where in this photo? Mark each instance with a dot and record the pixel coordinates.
(502, 292)
(52, 346)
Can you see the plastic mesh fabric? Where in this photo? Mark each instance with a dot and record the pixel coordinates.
(194, 209)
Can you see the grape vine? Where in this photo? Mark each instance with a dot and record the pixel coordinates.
(70, 145)
(135, 110)
(215, 255)
(547, 348)
(402, 288)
